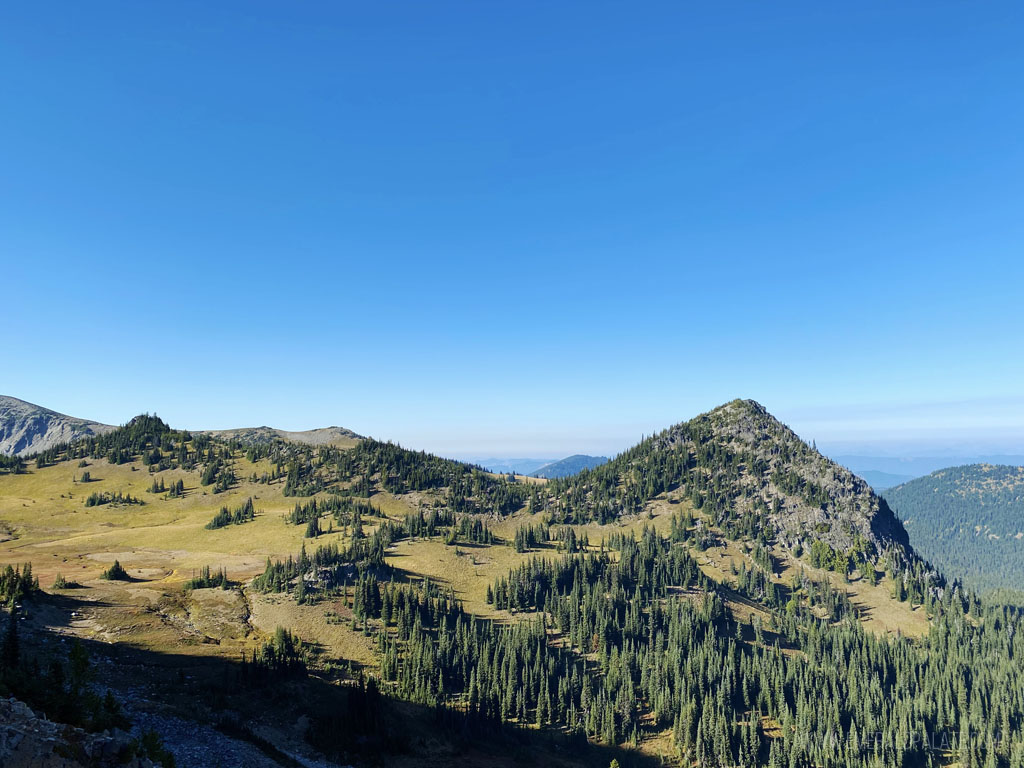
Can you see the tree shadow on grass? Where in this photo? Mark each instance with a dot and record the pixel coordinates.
(347, 720)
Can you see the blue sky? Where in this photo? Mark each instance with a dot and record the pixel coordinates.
(522, 228)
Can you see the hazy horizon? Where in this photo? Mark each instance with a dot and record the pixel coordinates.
(884, 430)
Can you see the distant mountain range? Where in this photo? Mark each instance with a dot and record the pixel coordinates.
(968, 521)
(533, 467)
(909, 467)
(879, 481)
(569, 466)
(524, 466)
(26, 428)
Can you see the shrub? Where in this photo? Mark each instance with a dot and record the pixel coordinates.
(115, 573)
(61, 583)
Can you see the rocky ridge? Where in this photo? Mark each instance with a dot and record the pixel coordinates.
(26, 428)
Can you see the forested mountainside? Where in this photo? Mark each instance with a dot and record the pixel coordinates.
(26, 428)
(569, 466)
(700, 599)
(969, 521)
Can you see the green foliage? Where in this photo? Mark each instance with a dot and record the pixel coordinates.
(330, 566)
(115, 498)
(680, 526)
(281, 658)
(13, 465)
(420, 525)
(243, 514)
(207, 579)
(115, 573)
(17, 583)
(528, 537)
(63, 583)
(175, 491)
(146, 437)
(218, 472)
(824, 556)
(341, 507)
(372, 465)
(471, 529)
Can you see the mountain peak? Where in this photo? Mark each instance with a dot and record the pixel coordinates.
(752, 473)
(26, 428)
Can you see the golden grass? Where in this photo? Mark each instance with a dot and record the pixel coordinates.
(310, 623)
(879, 612)
(46, 509)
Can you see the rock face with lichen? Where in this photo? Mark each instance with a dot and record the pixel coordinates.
(29, 741)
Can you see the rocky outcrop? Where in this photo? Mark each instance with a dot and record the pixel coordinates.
(31, 741)
(26, 428)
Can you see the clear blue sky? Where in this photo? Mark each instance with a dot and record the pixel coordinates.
(520, 228)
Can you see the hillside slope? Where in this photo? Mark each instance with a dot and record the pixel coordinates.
(569, 466)
(26, 428)
(969, 521)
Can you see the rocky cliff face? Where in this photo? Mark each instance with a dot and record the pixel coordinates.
(26, 428)
(808, 495)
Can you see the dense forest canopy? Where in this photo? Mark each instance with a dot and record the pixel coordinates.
(631, 639)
